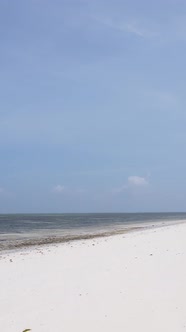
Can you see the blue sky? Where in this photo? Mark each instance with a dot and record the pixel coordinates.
(92, 106)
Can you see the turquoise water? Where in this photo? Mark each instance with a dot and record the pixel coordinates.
(19, 230)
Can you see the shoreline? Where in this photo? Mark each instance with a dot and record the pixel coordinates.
(21, 245)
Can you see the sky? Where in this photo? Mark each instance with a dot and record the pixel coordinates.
(92, 106)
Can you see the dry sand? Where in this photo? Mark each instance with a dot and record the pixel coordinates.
(132, 282)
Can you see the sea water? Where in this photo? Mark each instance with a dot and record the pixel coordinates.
(23, 230)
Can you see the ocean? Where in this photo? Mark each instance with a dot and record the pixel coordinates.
(23, 230)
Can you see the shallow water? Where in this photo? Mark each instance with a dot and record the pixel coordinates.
(20, 230)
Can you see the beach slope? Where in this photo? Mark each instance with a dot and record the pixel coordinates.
(131, 282)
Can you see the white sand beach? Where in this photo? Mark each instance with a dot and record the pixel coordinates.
(132, 282)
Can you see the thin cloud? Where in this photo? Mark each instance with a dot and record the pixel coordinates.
(133, 182)
(162, 99)
(131, 27)
(135, 29)
(58, 189)
(5, 193)
(137, 181)
(119, 190)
